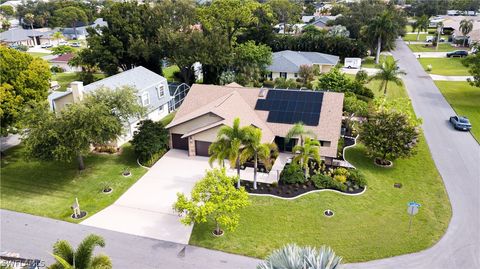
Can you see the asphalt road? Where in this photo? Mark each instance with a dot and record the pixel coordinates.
(457, 156)
(32, 237)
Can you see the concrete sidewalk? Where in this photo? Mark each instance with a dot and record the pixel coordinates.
(450, 78)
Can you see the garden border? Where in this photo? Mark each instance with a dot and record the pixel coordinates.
(314, 191)
(354, 144)
(138, 162)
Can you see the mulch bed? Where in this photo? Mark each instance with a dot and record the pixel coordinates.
(285, 190)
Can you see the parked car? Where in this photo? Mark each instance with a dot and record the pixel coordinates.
(460, 123)
(75, 44)
(46, 45)
(457, 53)
(431, 38)
(63, 43)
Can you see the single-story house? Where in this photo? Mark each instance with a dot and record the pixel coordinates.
(152, 90)
(209, 107)
(321, 21)
(27, 37)
(82, 33)
(286, 64)
(62, 62)
(453, 23)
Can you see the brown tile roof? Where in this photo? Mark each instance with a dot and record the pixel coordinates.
(230, 102)
(64, 58)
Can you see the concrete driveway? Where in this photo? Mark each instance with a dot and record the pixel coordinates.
(146, 208)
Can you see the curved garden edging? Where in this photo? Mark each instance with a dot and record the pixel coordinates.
(351, 146)
(138, 162)
(303, 194)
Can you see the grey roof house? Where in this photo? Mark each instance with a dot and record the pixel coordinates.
(82, 30)
(20, 36)
(152, 91)
(286, 63)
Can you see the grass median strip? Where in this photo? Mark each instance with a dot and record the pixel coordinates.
(445, 66)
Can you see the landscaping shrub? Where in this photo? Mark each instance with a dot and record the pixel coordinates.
(57, 69)
(106, 149)
(150, 139)
(340, 175)
(268, 84)
(155, 157)
(292, 174)
(326, 182)
(357, 178)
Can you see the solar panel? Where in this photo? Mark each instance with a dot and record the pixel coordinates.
(291, 106)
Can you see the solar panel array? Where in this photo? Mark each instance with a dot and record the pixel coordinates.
(292, 106)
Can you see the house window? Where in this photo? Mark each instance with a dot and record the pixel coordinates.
(283, 75)
(160, 90)
(296, 75)
(145, 99)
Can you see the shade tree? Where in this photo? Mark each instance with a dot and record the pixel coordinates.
(214, 198)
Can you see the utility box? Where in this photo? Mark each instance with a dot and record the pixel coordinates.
(353, 63)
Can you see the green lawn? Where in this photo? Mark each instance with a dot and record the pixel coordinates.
(442, 47)
(369, 62)
(393, 90)
(49, 188)
(371, 226)
(465, 100)
(64, 79)
(167, 119)
(169, 71)
(445, 66)
(366, 227)
(38, 54)
(422, 37)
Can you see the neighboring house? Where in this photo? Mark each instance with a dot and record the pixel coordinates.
(209, 107)
(153, 93)
(286, 64)
(62, 62)
(20, 36)
(82, 33)
(321, 21)
(453, 23)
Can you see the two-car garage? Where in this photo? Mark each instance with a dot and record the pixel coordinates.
(201, 147)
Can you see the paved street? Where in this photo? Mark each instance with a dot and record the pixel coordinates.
(33, 237)
(457, 156)
(146, 208)
(9, 141)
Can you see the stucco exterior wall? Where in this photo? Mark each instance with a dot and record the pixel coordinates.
(194, 124)
(61, 102)
(291, 75)
(208, 135)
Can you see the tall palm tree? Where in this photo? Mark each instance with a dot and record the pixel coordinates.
(310, 150)
(466, 26)
(294, 257)
(30, 18)
(422, 25)
(256, 149)
(299, 130)
(383, 28)
(234, 138)
(218, 151)
(68, 258)
(389, 72)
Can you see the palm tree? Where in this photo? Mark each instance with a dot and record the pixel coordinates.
(57, 36)
(310, 150)
(466, 26)
(382, 28)
(218, 151)
(234, 139)
(29, 18)
(422, 25)
(68, 258)
(294, 257)
(256, 149)
(389, 72)
(299, 130)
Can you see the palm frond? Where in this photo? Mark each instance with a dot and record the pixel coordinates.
(61, 263)
(83, 255)
(64, 250)
(101, 262)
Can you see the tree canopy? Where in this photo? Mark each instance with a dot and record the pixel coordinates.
(473, 62)
(64, 136)
(150, 138)
(213, 198)
(25, 80)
